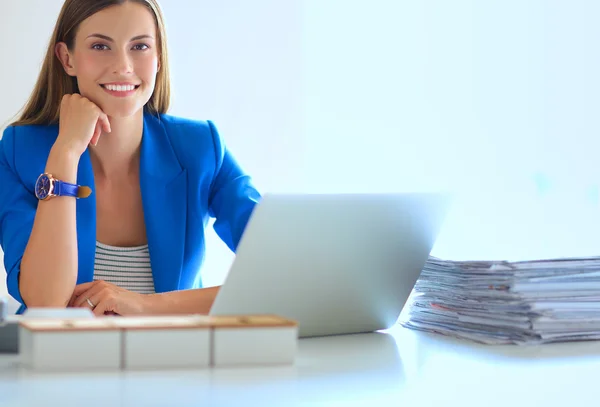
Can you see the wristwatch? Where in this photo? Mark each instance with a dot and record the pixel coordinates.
(47, 187)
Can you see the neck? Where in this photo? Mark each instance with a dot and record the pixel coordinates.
(117, 152)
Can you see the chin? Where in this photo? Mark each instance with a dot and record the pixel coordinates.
(122, 112)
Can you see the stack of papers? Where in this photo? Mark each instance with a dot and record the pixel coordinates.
(501, 302)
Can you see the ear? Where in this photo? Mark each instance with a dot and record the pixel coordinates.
(65, 58)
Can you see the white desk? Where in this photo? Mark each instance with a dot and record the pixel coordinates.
(397, 368)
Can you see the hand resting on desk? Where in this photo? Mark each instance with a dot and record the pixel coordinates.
(105, 298)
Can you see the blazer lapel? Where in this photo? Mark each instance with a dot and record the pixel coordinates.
(163, 184)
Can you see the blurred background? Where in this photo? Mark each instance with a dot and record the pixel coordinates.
(495, 101)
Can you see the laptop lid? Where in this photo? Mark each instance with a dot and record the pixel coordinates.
(336, 263)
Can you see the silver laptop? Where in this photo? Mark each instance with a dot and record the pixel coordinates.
(335, 263)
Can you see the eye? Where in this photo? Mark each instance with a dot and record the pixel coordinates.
(100, 47)
(141, 47)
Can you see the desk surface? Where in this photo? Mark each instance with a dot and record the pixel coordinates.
(397, 367)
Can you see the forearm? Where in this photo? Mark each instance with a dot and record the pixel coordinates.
(49, 266)
(197, 301)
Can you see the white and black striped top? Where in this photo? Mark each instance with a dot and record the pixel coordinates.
(126, 267)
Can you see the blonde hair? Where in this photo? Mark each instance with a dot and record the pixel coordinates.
(43, 106)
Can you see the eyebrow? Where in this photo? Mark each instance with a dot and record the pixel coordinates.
(107, 38)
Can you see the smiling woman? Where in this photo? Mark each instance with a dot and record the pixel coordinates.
(124, 67)
(81, 48)
(105, 196)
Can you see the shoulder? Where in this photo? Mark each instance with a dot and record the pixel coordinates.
(183, 124)
(185, 130)
(192, 138)
(22, 146)
(29, 138)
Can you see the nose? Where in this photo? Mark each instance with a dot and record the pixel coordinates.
(122, 63)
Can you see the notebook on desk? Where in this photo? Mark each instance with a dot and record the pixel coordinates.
(335, 263)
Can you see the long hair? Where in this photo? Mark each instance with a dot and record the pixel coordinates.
(43, 106)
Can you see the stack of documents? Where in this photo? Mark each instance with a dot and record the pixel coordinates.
(501, 302)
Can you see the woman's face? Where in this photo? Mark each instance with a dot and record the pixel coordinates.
(115, 58)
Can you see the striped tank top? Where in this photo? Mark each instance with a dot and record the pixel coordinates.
(126, 267)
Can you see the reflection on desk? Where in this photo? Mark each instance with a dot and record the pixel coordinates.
(395, 368)
(327, 369)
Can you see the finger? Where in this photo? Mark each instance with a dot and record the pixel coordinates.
(72, 301)
(94, 291)
(95, 300)
(83, 287)
(88, 303)
(105, 122)
(81, 301)
(80, 290)
(96, 136)
(105, 304)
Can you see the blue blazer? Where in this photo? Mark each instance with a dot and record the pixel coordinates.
(187, 176)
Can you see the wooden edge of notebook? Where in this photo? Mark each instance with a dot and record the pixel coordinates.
(162, 323)
(253, 321)
(67, 325)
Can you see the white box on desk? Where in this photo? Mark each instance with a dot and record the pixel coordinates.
(165, 342)
(58, 344)
(254, 340)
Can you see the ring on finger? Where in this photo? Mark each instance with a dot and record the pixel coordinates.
(90, 303)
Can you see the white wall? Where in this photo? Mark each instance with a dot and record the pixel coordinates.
(495, 99)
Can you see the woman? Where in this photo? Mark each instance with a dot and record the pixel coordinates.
(105, 198)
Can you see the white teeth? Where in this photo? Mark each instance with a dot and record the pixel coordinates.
(120, 88)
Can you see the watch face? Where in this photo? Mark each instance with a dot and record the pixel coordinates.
(42, 187)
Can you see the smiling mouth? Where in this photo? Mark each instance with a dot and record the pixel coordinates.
(120, 88)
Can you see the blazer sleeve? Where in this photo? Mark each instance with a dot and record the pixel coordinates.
(232, 195)
(17, 213)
